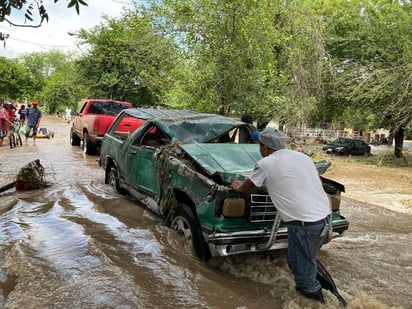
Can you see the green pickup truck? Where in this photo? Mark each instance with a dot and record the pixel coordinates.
(180, 164)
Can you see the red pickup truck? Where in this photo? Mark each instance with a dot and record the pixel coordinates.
(93, 121)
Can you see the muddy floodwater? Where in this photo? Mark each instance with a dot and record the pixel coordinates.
(78, 244)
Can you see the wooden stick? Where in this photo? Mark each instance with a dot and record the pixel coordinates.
(7, 187)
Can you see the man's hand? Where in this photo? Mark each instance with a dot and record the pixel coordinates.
(236, 185)
(243, 186)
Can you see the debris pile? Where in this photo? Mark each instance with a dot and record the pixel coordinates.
(29, 177)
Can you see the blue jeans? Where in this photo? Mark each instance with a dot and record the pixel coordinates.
(303, 247)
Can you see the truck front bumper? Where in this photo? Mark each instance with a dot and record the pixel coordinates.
(231, 243)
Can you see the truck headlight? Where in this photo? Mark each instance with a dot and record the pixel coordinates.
(234, 207)
(335, 200)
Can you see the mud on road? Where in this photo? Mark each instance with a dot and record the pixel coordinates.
(78, 244)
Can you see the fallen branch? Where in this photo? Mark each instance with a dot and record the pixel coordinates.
(7, 186)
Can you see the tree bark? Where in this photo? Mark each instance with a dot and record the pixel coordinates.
(399, 136)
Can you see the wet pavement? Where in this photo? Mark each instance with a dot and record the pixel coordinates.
(78, 244)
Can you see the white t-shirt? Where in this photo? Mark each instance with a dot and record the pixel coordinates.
(293, 184)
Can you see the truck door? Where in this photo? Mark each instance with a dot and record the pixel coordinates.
(78, 126)
(141, 162)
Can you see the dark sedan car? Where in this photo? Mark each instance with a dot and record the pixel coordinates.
(347, 146)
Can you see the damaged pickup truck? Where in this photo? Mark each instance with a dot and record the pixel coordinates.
(180, 164)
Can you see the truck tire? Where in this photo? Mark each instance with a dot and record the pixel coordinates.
(88, 147)
(186, 224)
(113, 180)
(74, 139)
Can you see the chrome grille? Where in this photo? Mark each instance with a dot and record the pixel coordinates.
(261, 208)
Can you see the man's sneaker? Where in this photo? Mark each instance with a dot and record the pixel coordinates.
(314, 295)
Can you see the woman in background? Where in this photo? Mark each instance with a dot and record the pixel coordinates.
(5, 122)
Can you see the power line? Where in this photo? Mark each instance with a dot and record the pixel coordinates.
(40, 44)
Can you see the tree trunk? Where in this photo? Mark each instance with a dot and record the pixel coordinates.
(399, 136)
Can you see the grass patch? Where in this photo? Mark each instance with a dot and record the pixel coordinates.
(389, 160)
(316, 156)
(353, 159)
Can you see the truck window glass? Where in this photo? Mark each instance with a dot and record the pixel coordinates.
(106, 108)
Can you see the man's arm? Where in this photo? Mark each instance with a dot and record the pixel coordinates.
(243, 186)
(38, 120)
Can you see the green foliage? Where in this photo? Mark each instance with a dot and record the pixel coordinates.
(13, 79)
(64, 89)
(49, 77)
(41, 66)
(304, 62)
(260, 57)
(128, 61)
(371, 71)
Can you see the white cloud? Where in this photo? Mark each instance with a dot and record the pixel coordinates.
(54, 34)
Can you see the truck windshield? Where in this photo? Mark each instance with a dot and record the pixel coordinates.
(107, 108)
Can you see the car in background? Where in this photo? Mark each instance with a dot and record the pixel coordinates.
(347, 146)
(181, 164)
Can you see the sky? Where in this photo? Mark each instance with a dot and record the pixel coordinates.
(53, 34)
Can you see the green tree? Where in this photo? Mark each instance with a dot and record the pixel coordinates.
(13, 79)
(127, 60)
(64, 89)
(41, 66)
(54, 80)
(372, 69)
(221, 68)
(262, 57)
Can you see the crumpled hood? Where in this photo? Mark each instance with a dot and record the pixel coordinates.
(224, 158)
(229, 160)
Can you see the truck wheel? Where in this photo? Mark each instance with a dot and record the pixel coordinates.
(187, 225)
(88, 147)
(74, 139)
(113, 180)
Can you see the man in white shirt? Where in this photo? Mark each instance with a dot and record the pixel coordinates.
(295, 188)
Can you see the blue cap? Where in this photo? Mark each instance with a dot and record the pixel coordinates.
(255, 136)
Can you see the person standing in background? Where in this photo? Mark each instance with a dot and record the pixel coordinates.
(5, 122)
(22, 113)
(11, 112)
(246, 118)
(33, 120)
(68, 114)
